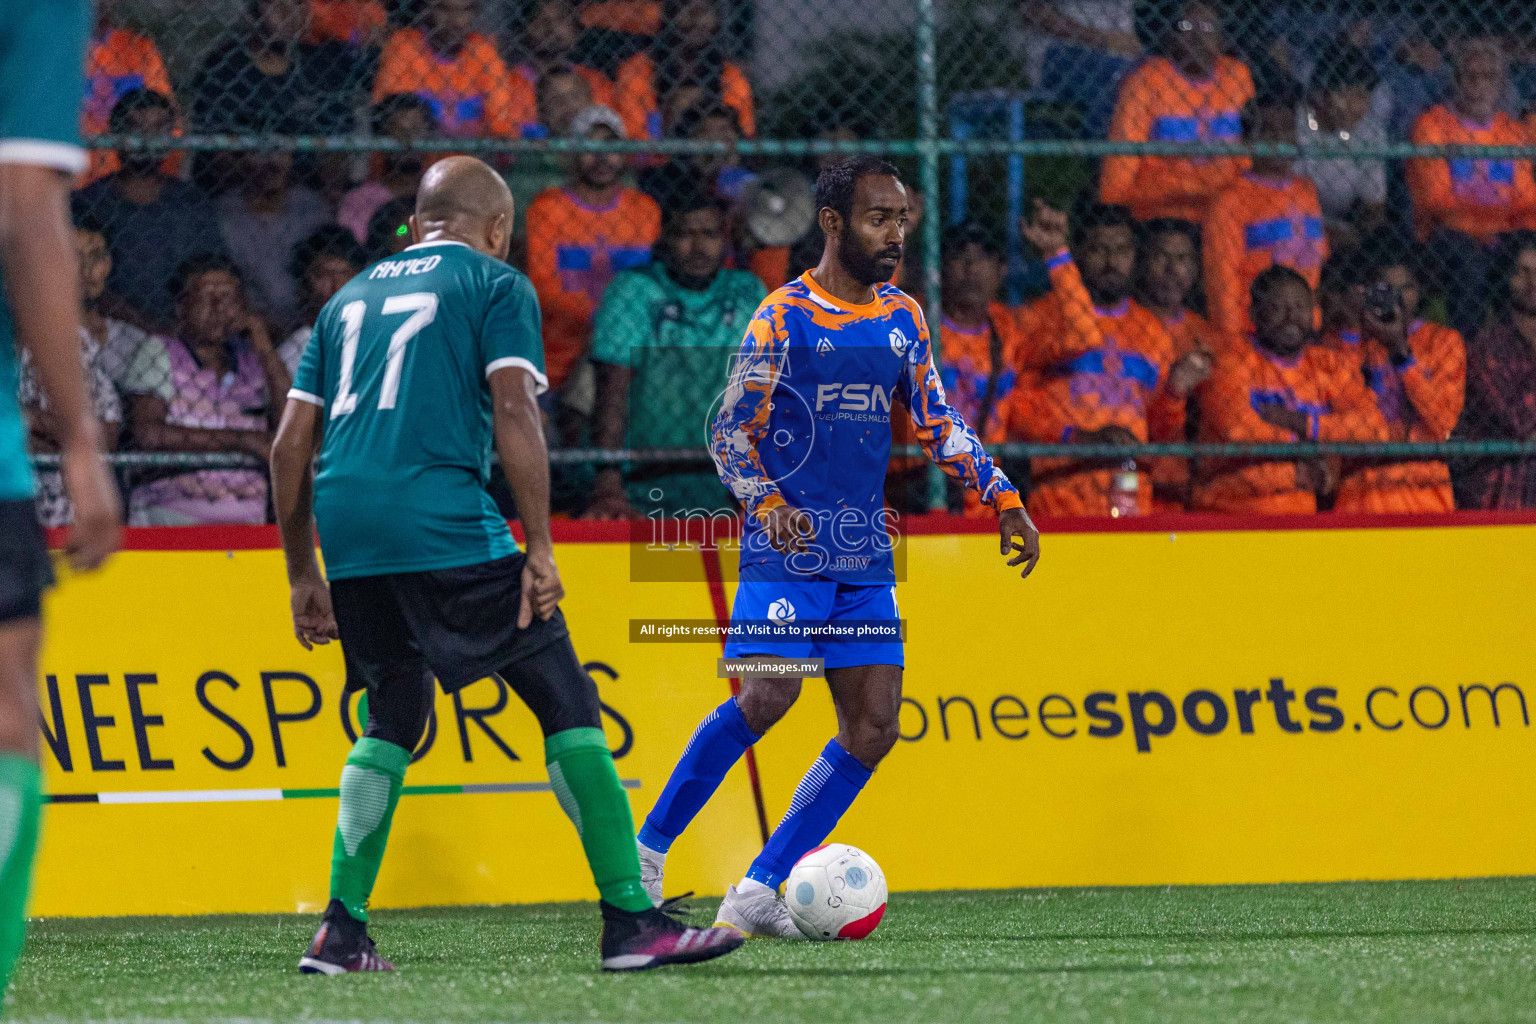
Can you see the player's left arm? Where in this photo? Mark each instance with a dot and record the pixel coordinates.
(953, 445)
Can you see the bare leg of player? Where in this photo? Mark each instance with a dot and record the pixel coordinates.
(20, 781)
(868, 699)
(766, 699)
(868, 702)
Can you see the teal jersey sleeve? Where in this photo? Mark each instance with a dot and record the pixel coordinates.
(623, 321)
(511, 334)
(42, 77)
(309, 378)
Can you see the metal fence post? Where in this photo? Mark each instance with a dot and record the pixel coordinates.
(928, 175)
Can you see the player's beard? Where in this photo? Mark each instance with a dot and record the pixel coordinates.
(1108, 290)
(864, 267)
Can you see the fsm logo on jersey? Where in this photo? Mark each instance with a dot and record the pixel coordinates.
(861, 397)
(899, 342)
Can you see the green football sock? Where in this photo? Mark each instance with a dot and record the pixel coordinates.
(20, 804)
(370, 788)
(587, 785)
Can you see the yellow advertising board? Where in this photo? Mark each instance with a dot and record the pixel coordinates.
(1150, 707)
(175, 693)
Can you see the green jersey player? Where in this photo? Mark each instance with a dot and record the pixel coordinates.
(42, 56)
(416, 369)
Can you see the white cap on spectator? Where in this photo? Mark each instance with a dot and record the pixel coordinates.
(595, 115)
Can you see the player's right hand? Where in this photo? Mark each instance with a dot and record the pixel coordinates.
(542, 589)
(790, 530)
(313, 620)
(98, 527)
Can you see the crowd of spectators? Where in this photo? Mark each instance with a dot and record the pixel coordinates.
(1190, 298)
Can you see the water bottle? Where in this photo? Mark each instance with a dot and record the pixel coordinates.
(1123, 487)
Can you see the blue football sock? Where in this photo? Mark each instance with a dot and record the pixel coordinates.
(717, 744)
(826, 792)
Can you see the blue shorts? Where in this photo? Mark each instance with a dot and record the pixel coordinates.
(764, 595)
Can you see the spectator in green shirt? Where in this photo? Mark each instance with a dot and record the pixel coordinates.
(663, 341)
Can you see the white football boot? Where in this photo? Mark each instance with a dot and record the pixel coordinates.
(652, 864)
(757, 913)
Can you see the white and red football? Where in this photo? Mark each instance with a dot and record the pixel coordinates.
(836, 891)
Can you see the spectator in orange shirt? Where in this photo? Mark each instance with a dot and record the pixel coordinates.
(980, 344)
(579, 236)
(1267, 215)
(1187, 91)
(117, 62)
(1092, 361)
(547, 43)
(360, 24)
(686, 64)
(1277, 386)
(458, 72)
(1417, 373)
(1462, 205)
(1168, 271)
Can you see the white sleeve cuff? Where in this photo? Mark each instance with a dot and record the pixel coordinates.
(501, 364)
(44, 153)
(305, 396)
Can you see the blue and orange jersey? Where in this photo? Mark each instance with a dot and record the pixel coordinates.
(353, 22)
(1420, 398)
(598, 83)
(574, 250)
(116, 63)
(636, 97)
(806, 420)
(1158, 104)
(471, 93)
(1481, 198)
(1085, 368)
(1321, 383)
(1253, 224)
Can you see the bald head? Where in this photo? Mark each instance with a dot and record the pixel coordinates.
(463, 199)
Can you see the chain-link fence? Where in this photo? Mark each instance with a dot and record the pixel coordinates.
(1100, 192)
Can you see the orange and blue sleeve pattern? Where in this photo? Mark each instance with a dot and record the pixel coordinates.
(742, 422)
(943, 432)
(1078, 328)
(1435, 380)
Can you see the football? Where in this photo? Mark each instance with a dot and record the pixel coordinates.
(836, 891)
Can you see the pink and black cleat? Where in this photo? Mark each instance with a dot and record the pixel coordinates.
(638, 941)
(342, 946)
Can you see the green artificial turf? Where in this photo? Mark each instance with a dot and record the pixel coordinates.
(1398, 952)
